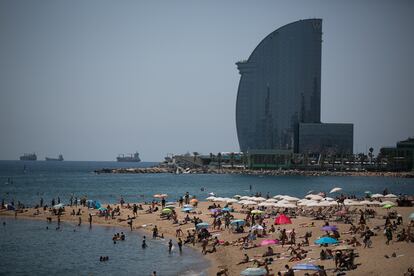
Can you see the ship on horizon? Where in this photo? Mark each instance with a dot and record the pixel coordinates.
(60, 158)
(28, 157)
(128, 158)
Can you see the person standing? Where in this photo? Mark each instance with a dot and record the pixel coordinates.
(388, 234)
(180, 245)
(170, 244)
(144, 243)
(90, 220)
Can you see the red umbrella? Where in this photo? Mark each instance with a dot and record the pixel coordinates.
(282, 219)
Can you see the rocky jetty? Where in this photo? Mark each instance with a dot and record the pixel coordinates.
(158, 169)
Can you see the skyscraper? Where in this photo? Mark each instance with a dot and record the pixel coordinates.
(280, 88)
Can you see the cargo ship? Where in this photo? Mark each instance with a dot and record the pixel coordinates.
(28, 157)
(128, 158)
(60, 158)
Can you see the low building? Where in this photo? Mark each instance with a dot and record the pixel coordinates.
(269, 159)
(324, 138)
(401, 157)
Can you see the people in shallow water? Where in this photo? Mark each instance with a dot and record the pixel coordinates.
(144, 243)
(104, 258)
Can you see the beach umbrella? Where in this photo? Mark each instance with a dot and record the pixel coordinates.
(390, 196)
(305, 267)
(329, 228)
(170, 206)
(187, 209)
(211, 198)
(288, 205)
(102, 209)
(271, 200)
(212, 194)
(411, 217)
(188, 206)
(290, 198)
(314, 197)
(387, 206)
(218, 199)
(265, 204)
(282, 219)
(268, 242)
(248, 202)
(194, 200)
(257, 212)
(377, 195)
(326, 240)
(157, 196)
(237, 196)
(334, 190)
(238, 222)
(328, 199)
(245, 197)
(375, 202)
(365, 202)
(258, 199)
(58, 206)
(164, 195)
(278, 196)
(227, 209)
(387, 203)
(166, 211)
(202, 225)
(257, 227)
(215, 210)
(254, 271)
(231, 200)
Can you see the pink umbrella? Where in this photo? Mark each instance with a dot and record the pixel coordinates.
(282, 219)
(268, 242)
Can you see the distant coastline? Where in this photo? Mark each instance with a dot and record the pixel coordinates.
(158, 169)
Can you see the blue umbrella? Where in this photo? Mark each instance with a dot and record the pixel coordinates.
(326, 240)
(188, 209)
(226, 209)
(238, 222)
(254, 271)
(305, 267)
(202, 225)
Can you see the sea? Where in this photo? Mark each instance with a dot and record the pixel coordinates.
(36, 248)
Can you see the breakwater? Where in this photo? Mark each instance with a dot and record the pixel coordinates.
(171, 170)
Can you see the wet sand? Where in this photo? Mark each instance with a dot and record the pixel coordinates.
(371, 261)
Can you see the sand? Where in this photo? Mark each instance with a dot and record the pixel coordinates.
(371, 261)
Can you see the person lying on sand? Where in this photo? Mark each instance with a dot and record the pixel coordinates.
(245, 260)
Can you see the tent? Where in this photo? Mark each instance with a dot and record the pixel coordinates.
(282, 219)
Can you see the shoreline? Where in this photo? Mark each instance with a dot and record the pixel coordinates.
(314, 173)
(228, 256)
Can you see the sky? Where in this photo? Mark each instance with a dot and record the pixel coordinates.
(92, 79)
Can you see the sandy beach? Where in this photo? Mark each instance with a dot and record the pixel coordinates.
(369, 261)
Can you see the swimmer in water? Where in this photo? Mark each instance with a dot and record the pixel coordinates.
(144, 243)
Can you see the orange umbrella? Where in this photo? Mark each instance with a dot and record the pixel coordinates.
(194, 200)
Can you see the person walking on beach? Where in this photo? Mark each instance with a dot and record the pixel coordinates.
(187, 197)
(170, 244)
(80, 221)
(180, 245)
(388, 234)
(154, 232)
(90, 220)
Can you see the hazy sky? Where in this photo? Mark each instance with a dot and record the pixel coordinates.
(91, 79)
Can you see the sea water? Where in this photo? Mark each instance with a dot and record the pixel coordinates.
(28, 248)
(29, 181)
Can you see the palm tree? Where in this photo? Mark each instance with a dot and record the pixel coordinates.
(232, 159)
(219, 159)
